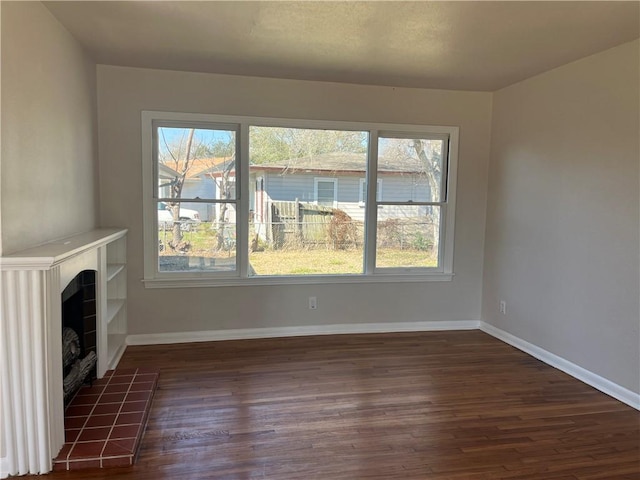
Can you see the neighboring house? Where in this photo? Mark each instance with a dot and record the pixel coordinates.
(334, 180)
(198, 183)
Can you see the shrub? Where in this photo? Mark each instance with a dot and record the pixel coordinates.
(341, 231)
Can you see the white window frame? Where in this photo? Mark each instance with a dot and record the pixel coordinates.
(240, 277)
(442, 203)
(362, 195)
(333, 180)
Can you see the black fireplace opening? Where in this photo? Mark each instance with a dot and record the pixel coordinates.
(79, 336)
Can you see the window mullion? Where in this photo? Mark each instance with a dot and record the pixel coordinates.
(371, 205)
(242, 197)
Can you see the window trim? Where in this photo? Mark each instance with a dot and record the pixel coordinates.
(442, 202)
(155, 279)
(361, 195)
(333, 180)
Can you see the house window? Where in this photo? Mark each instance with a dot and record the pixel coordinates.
(326, 192)
(362, 192)
(246, 201)
(195, 197)
(408, 229)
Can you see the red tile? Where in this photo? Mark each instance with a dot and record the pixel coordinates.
(122, 461)
(112, 397)
(60, 466)
(78, 410)
(81, 464)
(117, 388)
(124, 431)
(70, 435)
(148, 370)
(64, 452)
(142, 386)
(122, 397)
(91, 390)
(87, 450)
(101, 420)
(72, 423)
(138, 396)
(85, 400)
(114, 449)
(92, 434)
(121, 379)
(129, 407)
(129, 418)
(108, 373)
(128, 443)
(103, 409)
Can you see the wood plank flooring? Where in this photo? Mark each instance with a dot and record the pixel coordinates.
(437, 406)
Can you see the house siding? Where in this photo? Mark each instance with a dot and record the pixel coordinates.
(203, 187)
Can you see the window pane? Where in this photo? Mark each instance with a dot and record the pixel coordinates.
(411, 169)
(304, 197)
(190, 244)
(408, 236)
(195, 163)
(325, 193)
(363, 190)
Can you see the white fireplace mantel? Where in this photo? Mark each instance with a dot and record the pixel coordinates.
(31, 283)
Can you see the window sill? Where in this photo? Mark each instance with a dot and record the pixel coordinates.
(186, 282)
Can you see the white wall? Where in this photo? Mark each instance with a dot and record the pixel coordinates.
(562, 242)
(49, 144)
(124, 92)
(48, 186)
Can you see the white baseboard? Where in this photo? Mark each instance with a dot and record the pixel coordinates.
(596, 381)
(610, 388)
(249, 333)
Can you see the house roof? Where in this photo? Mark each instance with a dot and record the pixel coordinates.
(197, 166)
(335, 163)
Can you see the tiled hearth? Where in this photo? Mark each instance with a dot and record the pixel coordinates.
(104, 423)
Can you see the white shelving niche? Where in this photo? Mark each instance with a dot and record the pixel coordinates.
(114, 289)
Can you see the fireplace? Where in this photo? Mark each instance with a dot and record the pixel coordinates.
(32, 283)
(79, 333)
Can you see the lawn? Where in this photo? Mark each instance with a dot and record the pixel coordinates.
(318, 260)
(331, 262)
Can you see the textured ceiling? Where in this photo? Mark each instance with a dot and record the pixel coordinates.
(453, 45)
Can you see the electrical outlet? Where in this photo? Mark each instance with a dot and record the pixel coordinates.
(503, 307)
(313, 303)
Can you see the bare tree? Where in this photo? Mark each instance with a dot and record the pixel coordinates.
(182, 166)
(223, 184)
(424, 159)
(433, 172)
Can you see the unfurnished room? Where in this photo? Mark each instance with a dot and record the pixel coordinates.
(320, 240)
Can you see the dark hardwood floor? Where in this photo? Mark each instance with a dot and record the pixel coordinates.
(438, 405)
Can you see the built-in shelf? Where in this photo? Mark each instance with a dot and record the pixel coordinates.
(116, 347)
(114, 269)
(113, 307)
(115, 318)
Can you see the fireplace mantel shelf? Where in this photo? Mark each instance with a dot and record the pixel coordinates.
(31, 284)
(50, 254)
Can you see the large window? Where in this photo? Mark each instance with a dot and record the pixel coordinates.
(239, 200)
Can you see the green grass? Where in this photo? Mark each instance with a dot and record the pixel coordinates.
(332, 262)
(303, 261)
